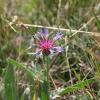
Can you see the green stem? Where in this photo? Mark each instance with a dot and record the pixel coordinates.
(45, 85)
(47, 77)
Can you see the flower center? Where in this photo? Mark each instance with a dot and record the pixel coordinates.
(45, 45)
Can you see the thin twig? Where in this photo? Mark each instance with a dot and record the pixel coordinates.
(9, 23)
(84, 25)
(55, 28)
(53, 81)
(61, 29)
(67, 62)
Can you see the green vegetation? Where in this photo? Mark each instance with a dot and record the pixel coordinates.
(71, 75)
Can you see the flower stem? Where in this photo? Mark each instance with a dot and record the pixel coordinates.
(47, 76)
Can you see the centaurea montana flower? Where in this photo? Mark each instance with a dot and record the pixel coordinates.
(44, 44)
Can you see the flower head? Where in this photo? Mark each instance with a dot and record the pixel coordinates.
(44, 44)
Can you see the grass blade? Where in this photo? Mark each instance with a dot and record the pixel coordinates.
(22, 67)
(10, 87)
(77, 86)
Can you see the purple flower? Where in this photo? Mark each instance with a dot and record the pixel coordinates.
(44, 44)
(58, 36)
(45, 32)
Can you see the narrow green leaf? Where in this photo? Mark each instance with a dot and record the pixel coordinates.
(30, 74)
(44, 91)
(22, 67)
(76, 87)
(9, 83)
(97, 21)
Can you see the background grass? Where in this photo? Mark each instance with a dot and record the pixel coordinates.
(73, 74)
